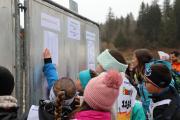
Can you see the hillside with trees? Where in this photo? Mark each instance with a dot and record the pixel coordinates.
(155, 27)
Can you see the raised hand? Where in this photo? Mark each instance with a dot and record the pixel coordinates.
(46, 53)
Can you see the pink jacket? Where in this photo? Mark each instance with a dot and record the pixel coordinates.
(93, 115)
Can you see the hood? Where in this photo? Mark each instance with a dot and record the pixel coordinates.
(8, 108)
(93, 115)
(7, 102)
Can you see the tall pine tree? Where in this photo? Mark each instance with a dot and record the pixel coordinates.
(177, 16)
(168, 26)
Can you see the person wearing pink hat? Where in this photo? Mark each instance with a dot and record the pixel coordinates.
(113, 59)
(99, 96)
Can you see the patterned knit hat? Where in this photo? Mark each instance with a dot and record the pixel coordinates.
(102, 91)
(6, 81)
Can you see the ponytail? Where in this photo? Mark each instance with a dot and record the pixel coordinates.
(58, 104)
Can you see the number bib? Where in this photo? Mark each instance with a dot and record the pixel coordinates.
(126, 100)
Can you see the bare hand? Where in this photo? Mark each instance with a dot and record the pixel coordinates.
(46, 53)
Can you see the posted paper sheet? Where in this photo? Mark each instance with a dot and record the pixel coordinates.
(51, 42)
(50, 22)
(73, 29)
(90, 38)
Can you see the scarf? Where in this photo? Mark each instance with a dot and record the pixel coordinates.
(7, 102)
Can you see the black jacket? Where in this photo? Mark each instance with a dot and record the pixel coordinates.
(8, 114)
(46, 110)
(169, 111)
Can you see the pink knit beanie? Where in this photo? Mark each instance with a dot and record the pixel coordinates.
(102, 91)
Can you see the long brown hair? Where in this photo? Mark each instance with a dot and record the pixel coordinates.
(143, 56)
(64, 89)
(58, 105)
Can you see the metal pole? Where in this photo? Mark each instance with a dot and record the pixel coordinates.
(27, 57)
(19, 87)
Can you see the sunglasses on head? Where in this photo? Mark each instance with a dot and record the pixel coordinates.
(148, 81)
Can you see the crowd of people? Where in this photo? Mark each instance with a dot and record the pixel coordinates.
(144, 89)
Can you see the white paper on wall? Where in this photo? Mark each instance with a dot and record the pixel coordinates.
(90, 38)
(51, 42)
(73, 29)
(50, 22)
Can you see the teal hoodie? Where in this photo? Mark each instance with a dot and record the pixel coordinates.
(138, 112)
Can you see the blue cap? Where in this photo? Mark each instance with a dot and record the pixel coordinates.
(84, 77)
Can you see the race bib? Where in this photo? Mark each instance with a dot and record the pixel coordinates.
(126, 100)
(124, 116)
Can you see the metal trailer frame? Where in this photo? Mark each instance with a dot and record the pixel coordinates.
(11, 43)
(18, 66)
(71, 65)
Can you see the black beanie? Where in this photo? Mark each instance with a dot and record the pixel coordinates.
(160, 75)
(6, 81)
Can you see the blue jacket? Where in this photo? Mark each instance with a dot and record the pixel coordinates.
(50, 74)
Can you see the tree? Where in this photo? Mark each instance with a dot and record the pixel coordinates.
(154, 18)
(110, 15)
(141, 18)
(120, 40)
(110, 26)
(168, 26)
(127, 25)
(177, 17)
(142, 22)
(148, 24)
(154, 27)
(166, 10)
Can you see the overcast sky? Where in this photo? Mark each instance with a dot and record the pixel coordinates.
(96, 10)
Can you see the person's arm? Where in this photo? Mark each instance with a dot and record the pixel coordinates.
(49, 69)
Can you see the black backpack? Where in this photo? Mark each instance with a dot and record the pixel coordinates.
(46, 110)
